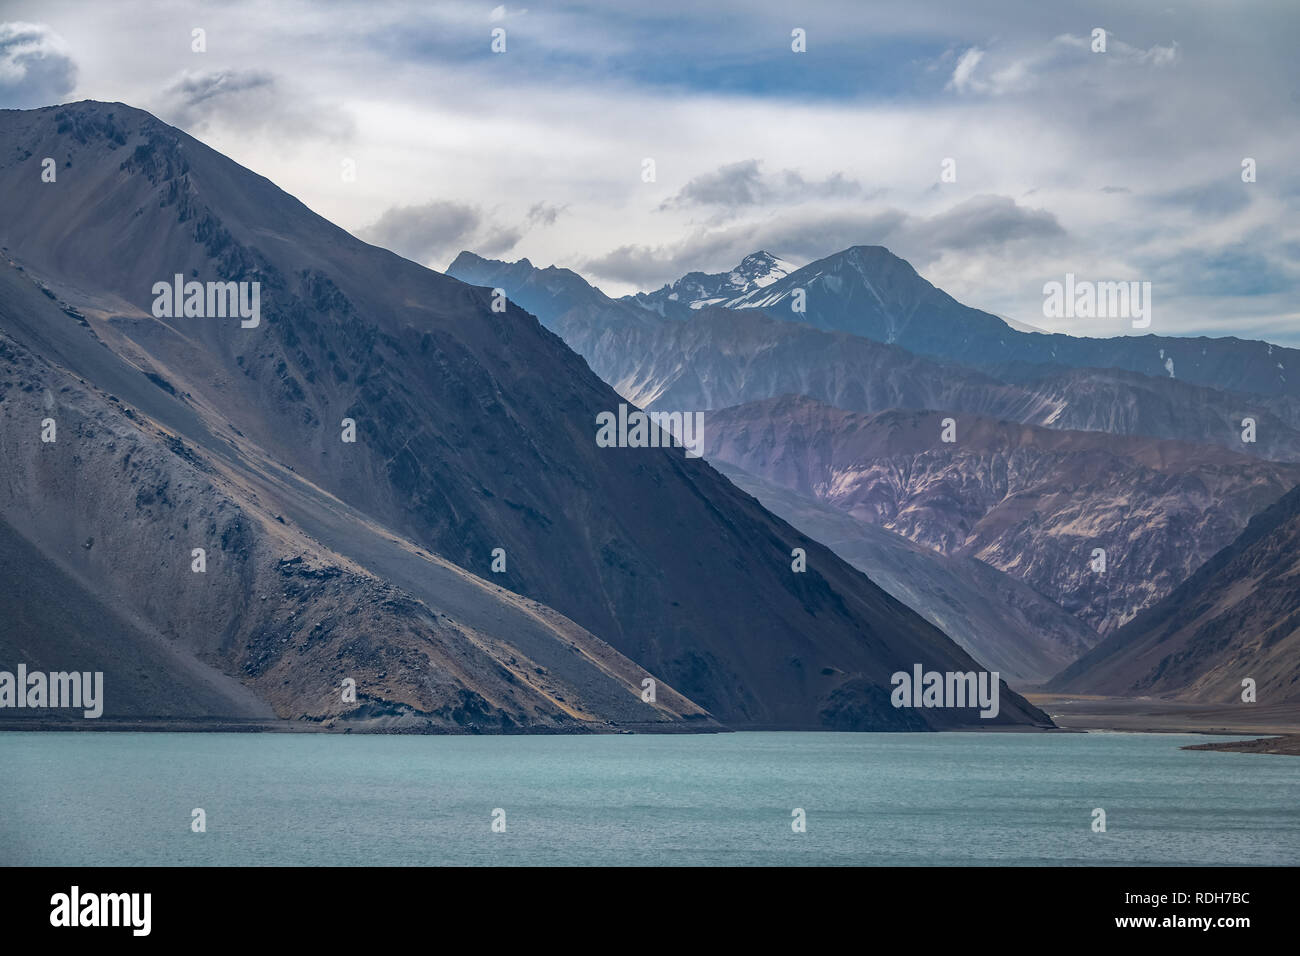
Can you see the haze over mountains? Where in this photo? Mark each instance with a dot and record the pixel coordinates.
(372, 559)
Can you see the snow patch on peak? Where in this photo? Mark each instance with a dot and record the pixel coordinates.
(760, 269)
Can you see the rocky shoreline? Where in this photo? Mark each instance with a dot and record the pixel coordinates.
(1286, 744)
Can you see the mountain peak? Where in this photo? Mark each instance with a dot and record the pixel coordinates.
(697, 290)
(757, 270)
(877, 257)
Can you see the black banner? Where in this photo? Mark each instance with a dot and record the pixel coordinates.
(365, 905)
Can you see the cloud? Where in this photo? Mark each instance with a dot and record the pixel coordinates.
(544, 214)
(35, 68)
(587, 90)
(1238, 269)
(195, 96)
(428, 232)
(251, 99)
(981, 222)
(1212, 200)
(500, 13)
(497, 241)
(744, 184)
(1155, 55)
(961, 76)
(1019, 69)
(980, 225)
(431, 233)
(736, 184)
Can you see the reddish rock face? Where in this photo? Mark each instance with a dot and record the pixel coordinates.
(1032, 502)
(1229, 634)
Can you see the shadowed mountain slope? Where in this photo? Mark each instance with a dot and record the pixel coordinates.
(1003, 622)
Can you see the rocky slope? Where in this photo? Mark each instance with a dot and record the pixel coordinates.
(1033, 502)
(475, 430)
(1236, 619)
(102, 521)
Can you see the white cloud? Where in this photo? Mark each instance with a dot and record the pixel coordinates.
(961, 75)
(563, 121)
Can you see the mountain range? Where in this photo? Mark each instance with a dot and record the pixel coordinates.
(723, 356)
(1157, 450)
(354, 464)
(870, 292)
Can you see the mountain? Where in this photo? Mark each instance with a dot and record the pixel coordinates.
(695, 290)
(550, 293)
(869, 291)
(1001, 621)
(1236, 618)
(1033, 502)
(723, 357)
(100, 523)
(475, 440)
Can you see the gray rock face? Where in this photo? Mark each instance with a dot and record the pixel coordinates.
(104, 520)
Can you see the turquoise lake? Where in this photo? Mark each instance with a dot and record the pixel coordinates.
(872, 799)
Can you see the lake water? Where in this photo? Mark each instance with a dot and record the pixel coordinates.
(909, 799)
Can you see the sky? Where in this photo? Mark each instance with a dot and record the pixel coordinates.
(399, 122)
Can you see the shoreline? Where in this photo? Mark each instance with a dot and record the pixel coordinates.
(1286, 744)
(1275, 729)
